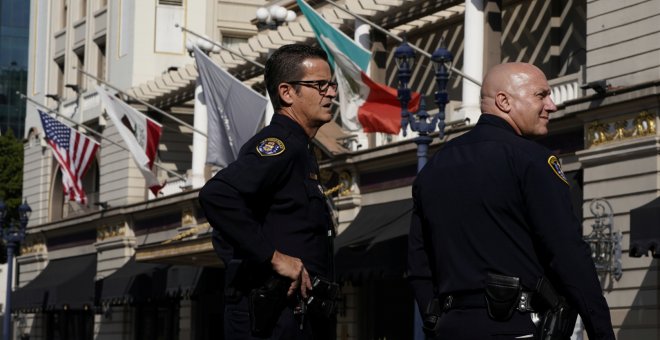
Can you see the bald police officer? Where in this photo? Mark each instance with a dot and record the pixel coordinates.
(269, 205)
(493, 222)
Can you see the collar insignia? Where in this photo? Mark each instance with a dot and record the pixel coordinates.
(270, 147)
(313, 176)
(556, 168)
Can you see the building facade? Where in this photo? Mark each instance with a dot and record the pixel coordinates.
(149, 262)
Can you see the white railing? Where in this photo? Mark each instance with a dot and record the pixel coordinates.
(566, 88)
(174, 185)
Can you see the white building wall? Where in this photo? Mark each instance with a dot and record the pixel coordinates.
(627, 174)
(623, 41)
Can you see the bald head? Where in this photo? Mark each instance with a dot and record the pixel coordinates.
(518, 93)
(508, 77)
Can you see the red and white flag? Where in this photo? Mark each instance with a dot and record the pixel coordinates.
(140, 133)
(73, 151)
(363, 102)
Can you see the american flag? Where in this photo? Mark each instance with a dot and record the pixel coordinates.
(73, 151)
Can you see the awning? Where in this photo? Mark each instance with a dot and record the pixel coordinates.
(132, 283)
(138, 282)
(183, 280)
(66, 283)
(645, 229)
(376, 242)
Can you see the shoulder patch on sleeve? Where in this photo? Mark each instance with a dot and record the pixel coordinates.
(556, 168)
(270, 147)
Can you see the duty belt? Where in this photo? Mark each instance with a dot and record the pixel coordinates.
(478, 300)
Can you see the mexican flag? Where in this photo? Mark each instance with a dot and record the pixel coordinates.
(363, 102)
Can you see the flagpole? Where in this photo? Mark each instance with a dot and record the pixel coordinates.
(220, 46)
(144, 103)
(397, 38)
(234, 53)
(23, 96)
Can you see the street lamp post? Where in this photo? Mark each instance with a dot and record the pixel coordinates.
(13, 236)
(420, 121)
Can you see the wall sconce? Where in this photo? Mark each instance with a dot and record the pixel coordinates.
(600, 86)
(73, 87)
(54, 97)
(605, 244)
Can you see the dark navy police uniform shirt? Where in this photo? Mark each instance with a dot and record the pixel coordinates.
(493, 201)
(270, 198)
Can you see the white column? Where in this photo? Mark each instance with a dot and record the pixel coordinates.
(473, 58)
(269, 110)
(196, 178)
(361, 36)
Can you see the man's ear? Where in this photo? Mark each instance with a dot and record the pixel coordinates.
(502, 102)
(285, 91)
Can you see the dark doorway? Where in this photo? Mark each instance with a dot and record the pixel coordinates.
(69, 325)
(388, 308)
(158, 320)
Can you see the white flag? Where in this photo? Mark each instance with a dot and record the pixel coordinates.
(139, 132)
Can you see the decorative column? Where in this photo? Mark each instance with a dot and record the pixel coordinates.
(361, 36)
(196, 178)
(473, 58)
(115, 245)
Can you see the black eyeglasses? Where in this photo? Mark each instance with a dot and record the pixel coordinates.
(321, 85)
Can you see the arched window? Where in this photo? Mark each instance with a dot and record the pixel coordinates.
(61, 207)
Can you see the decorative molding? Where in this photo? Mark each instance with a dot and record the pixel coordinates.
(642, 125)
(339, 183)
(115, 243)
(33, 244)
(107, 231)
(193, 232)
(347, 180)
(187, 217)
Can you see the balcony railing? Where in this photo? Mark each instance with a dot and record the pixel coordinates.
(566, 88)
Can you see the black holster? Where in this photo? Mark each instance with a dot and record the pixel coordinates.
(558, 321)
(431, 318)
(502, 294)
(266, 303)
(323, 297)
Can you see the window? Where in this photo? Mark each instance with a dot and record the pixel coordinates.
(232, 42)
(80, 65)
(171, 2)
(60, 77)
(100, 59)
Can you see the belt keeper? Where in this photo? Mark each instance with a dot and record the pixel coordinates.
(524, 302)
(448, 302)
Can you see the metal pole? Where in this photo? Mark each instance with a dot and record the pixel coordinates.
(397, 38)
(144, 103)
(93, 132)
(219, 45)
(404, 56)
(334, 101)
(11, 244)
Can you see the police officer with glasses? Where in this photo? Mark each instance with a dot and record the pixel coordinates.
(269, 206)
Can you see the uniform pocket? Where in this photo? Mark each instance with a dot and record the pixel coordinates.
(317, 210)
